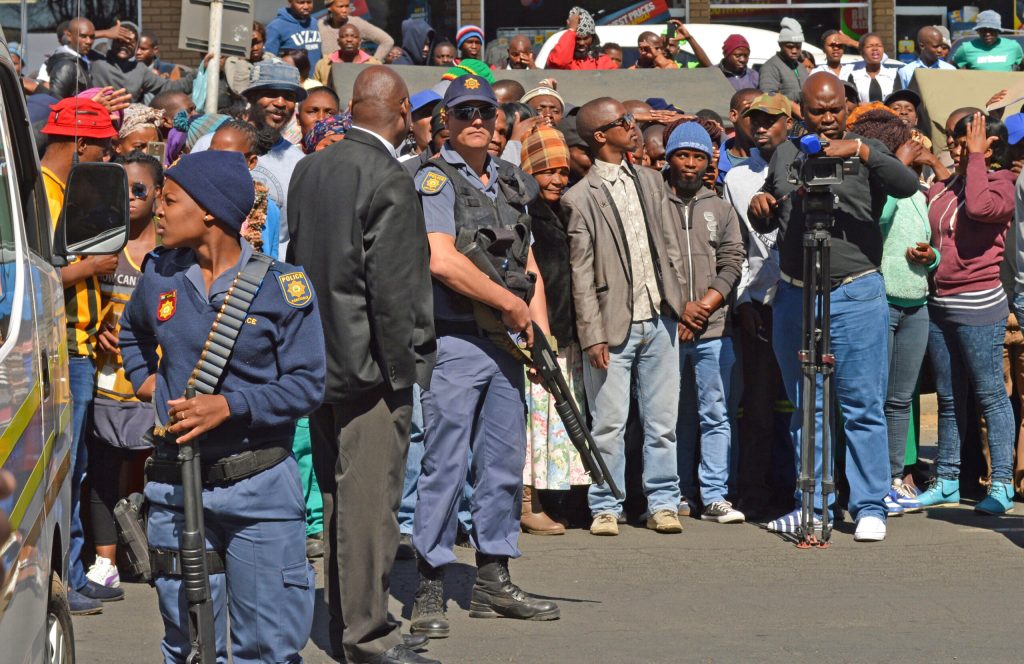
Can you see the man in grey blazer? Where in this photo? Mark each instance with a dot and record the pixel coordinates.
(628, 295)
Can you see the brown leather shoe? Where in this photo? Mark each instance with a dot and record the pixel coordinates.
(534, 521)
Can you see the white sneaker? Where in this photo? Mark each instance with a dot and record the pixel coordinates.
(869, 529)
(104, 573)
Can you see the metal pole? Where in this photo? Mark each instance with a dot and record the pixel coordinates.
(23, 26)
(213, 68)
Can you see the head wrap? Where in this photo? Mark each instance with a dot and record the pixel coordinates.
(733, 42)
(467, 67)
(139, 116)
(219, 182)
(201, 125)
(586, 27)
(468, 32)
(791, 32)
(329, 126)
(543, 149)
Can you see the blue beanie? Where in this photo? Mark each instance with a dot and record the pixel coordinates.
(219, 182)
(690, 135)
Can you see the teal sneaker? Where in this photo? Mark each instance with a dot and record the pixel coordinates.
(998, 501)
(942, 493)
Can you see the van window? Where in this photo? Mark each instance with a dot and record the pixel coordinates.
(8, 257)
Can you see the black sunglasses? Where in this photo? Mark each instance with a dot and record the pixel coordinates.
(139, 191)
(470, 113)
(626, 121)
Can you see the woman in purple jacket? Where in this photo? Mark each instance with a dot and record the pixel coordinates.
(969, 214)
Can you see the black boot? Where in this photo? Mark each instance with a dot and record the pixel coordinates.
(495, 595)
(428, 615)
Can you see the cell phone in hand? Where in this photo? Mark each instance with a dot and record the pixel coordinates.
(156, 149)
(671, 31)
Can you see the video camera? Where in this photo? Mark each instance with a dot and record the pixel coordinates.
(815, 169)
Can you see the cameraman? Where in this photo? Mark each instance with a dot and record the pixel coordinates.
(859, 322)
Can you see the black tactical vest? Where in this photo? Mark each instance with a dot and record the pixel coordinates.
(502, 226)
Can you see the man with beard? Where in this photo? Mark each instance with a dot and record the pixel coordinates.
(520, 53)
(120, 69)
(67, 70)
(860, 314)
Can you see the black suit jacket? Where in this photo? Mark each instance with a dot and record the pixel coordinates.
(357, 228)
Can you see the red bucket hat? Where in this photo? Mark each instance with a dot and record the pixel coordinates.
(79, 117)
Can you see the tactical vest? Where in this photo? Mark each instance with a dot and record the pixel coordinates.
(500, 226)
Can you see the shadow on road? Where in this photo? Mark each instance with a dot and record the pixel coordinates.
(1009, 526)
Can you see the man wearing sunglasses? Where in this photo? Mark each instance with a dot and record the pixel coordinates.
(627, 289)
(475, 398)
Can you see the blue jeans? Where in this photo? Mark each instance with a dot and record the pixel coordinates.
(908, 339)
(712, 362)
(650, 348)
(971, 355)
(82, 382)
(860, 326)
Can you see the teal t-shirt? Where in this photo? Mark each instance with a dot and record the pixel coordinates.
(1004, 55)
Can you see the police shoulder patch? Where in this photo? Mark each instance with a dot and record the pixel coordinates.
(295, 288)
(433, 182)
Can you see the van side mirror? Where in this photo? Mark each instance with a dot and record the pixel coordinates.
(94, 219)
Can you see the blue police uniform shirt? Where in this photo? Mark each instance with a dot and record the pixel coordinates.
(277, 369)
(437, 196)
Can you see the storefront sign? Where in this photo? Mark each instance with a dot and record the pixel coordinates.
(648, 11)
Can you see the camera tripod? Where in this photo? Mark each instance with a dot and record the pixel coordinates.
(816, 360)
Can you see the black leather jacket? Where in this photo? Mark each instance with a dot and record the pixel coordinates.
(68, 75)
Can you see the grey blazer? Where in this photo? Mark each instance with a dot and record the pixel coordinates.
(602, 282)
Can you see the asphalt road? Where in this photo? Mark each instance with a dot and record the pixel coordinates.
(944, 587)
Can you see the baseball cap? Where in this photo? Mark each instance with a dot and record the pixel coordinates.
(772, 104)
(469, 88)
(944, 31)
(83, 118)
(904, 95)
(1014, 128)
(423, 98)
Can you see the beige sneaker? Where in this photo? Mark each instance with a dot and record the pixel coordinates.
(663, 521)
(605, 524)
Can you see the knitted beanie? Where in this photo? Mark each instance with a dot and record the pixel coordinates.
(689, 135)
(468, 32)
(219, 182)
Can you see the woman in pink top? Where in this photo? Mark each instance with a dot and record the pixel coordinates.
(348, 52)
(970, 213)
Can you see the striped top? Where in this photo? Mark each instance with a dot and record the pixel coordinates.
(985, 307)
(115, 291)
(82, 298)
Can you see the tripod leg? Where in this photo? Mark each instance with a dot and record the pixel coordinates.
(826, 363)
(808, 394)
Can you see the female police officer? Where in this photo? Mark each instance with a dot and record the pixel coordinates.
(254, 508)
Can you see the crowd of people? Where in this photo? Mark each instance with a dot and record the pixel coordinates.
(659, 250)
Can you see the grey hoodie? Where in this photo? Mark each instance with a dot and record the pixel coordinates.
(712, 251)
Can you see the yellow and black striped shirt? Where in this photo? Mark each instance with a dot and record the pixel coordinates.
(81, 299)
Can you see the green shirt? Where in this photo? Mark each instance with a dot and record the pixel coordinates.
(1004, 55)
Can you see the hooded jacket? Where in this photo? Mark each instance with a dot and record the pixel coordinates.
(415, 33)
(712, 251)
(288, 32)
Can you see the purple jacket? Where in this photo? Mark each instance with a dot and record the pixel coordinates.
(748, 79)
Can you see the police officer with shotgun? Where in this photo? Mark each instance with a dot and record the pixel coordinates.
(475, 400)
(241, 358)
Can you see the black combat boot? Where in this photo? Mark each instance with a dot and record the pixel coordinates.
(495, 595)
(428, 615)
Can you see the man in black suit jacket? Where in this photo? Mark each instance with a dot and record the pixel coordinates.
(357, 227)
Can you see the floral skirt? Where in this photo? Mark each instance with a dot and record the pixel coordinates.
(551, 460)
